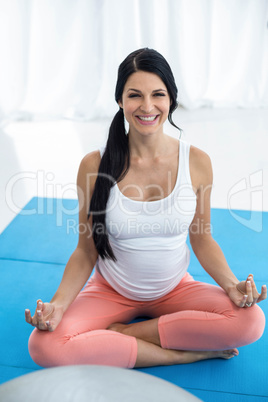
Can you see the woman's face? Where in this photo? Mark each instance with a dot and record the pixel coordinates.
(145, 102)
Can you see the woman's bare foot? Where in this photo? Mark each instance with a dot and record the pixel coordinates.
(146, 330)
(194, 356)
(118, 327)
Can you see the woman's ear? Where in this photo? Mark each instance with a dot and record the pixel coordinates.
(120, 104)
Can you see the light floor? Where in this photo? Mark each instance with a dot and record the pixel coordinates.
(42, 158)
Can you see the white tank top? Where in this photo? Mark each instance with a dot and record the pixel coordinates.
(149, 238)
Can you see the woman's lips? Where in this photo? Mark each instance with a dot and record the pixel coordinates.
(147, 120)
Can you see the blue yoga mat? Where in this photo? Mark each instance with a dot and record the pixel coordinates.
(34, 249)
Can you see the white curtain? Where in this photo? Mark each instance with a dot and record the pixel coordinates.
(59, 58)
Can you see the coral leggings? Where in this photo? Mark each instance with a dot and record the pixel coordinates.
(193, 316)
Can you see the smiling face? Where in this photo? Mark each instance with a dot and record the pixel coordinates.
(145, 102)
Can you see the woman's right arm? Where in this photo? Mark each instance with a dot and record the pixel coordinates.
(82, 261)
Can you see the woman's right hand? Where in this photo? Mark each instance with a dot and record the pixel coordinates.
(46, 318)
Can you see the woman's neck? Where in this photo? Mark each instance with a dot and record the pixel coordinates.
(150, 146)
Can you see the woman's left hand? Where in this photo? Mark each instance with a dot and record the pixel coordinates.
(245, 293)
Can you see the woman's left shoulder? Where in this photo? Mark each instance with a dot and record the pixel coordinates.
(200, 165)
(199, 157)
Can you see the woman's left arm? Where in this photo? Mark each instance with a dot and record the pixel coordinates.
(206, 249)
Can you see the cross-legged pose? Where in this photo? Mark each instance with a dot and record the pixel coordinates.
(139, 199)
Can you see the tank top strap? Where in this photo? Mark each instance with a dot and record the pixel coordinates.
(102, 150)
(184, 163)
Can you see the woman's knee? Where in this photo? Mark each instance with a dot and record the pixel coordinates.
(250, 325)
(42, 348)
(255, 322)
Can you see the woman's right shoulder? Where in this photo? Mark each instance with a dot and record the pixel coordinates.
(88, 170)
(91, 162)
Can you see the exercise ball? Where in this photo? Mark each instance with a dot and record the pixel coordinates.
(89, 383)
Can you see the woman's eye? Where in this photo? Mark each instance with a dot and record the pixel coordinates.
(157, 94)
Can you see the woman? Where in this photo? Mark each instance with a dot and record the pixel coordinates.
(138, 201)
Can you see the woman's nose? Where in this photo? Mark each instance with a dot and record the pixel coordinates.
(146, 105)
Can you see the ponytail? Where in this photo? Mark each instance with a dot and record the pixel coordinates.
(113, 167)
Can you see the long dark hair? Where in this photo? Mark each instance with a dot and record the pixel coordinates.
(115, 160)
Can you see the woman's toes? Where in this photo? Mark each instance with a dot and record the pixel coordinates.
(117, 327)
(228, 354)
(234, 351)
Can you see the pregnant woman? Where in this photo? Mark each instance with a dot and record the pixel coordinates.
(139, 199)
